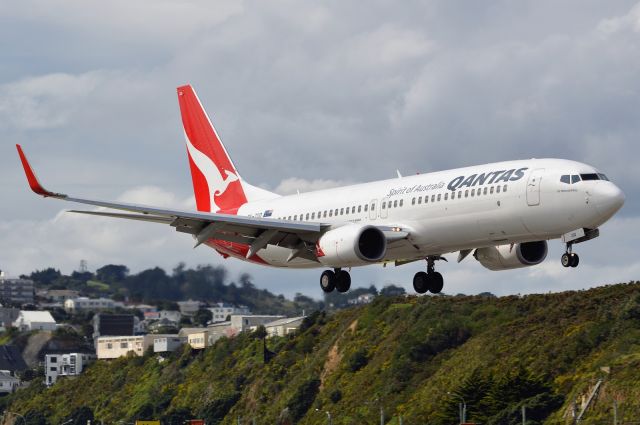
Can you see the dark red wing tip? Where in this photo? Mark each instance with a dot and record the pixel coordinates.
(31, 176)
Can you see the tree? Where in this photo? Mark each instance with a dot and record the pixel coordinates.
(46, 276)
(392, 291)
(112, 273)
(202, 317)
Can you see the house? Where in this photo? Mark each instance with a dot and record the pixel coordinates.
(171, 315)
(167, 343)
(74, 305)
(362, 299)
(8, 383)
(58, 295)
(199, 340)
(242, 322)
(218, 330)
(35, 320)
(185, 332)
(220, 311)
(16, 291)
(71, 364)
(189, 308)
(144, 308)
(282, 327)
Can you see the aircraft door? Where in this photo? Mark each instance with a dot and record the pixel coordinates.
(372, 209)
(533, 187)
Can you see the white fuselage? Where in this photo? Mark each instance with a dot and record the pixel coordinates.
(465, 208)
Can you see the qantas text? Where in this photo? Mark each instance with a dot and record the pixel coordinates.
(486, 178)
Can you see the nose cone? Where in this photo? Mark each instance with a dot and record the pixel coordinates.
(609, 199)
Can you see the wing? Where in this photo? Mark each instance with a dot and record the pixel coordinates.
(255, 232)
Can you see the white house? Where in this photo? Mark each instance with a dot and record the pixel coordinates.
(71, 364)
(220, 311)
(167, 343)
(91, 304)
(247, 322)
(282, 327)
(8, 383)
(35, 320)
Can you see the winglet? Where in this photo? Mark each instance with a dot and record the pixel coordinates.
(32, 179)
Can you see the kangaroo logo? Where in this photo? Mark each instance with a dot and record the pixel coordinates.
(216, 182)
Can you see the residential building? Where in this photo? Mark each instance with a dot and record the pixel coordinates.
(218, 330)
(113, 325)
(171, 315)
(167, 343)
(8, 383)
(198, 340)
(362, 299)
(16, 291)
(58, 295)
(220, 311)
(241, 322)
(71, 364)
(189, 308)
(282, 327)
(144, 308)
(35, 320)
(185, 332)
(73, 305)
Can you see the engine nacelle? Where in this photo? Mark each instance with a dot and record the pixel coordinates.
(352, 245)
(504, 257)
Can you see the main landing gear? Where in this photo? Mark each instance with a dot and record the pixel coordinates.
(338, 279)
(431, 281)
(570, 259)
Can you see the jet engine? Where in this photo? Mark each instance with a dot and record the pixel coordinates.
(351, 245)
(504, 257)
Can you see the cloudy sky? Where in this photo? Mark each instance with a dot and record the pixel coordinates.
(308, 95)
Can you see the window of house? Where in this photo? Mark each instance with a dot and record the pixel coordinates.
(124, 344)
(53, 369)
(53, 359)
(109, 346)
(566, 179)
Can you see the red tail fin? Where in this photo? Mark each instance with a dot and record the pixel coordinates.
(216, 182)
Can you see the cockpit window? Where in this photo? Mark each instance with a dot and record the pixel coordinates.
(565, 179)
(575, 179)
(591, 176)
(603, 177)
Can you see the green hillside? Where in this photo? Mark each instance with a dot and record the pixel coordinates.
(404, 354)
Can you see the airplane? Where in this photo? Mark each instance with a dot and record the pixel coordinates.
(502, 213)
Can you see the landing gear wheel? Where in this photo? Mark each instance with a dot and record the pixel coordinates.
(328, 281)
(574, 260)
(436, 282)
(421, 282)
(566, 260)
(343, 281)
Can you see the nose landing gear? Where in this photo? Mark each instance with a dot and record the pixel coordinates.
(330, 280)
(431, 281)
(569, 258)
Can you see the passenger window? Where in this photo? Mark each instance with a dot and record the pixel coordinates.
(433, 198)
(419, 199)
(491, 190)
(366, 206)
(395, 204)
(459, 194)
(446, 196)
(346, 211)
(313, 216)
(384, 205)
(504, 188)
(575, 179)
(438, 197)
(359, 208)
(485, 190)
(341, 211)
(473, 192)
(324, 214)
(335, 212)
(401, 202)
(295, 218)
(565, 179)
(353, 210)
(426, 199)
(373, 206)
(466, 193)
(498, 189)
(307, 217)
(413, 201)
(330, 213)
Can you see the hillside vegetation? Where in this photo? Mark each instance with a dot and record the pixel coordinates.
(402, 353)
